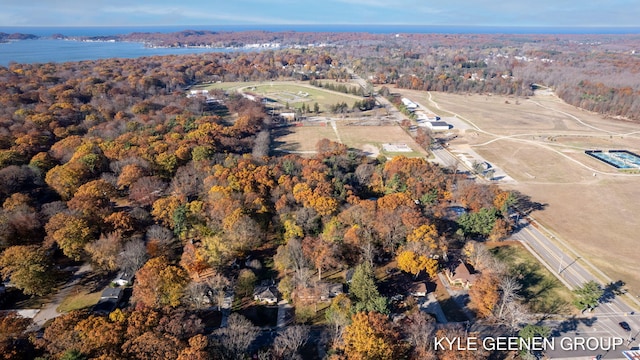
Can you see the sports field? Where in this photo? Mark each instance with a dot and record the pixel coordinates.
(290, 93)
(540, 142)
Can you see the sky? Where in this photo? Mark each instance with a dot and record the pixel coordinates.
(548, 13)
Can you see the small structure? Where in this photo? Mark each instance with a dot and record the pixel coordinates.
(123, 278)
(410, 105)
(418, 289)
(461, 276)
(330, 290)
(438, 125)
(109, 300)
(266, 294)
(288, 116)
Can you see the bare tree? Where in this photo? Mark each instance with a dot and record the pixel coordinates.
(289, 341)
(196, 294)
(419, 331)
(235, 339)
(217, 287)
(133, 256)
(509, 287)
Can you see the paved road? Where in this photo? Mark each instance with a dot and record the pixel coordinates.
(574, 271)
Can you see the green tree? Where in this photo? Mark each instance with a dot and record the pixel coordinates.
(588, 295)
(478, 223)
(246, 282)
(363, 287)
(531, 331)
(29, 268)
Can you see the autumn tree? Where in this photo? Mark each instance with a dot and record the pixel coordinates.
(413, 263)
(159, 284)
(30, 269)
(322, 254)
(338, 315)
(104, 251)
(197, 349)
(371, 336)
(70, 232)
(483, 295)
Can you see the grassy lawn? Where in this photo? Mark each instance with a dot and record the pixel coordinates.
(293, 93)
(542, 291)
(79, 300)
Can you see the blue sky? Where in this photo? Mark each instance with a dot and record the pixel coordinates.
(301, 12)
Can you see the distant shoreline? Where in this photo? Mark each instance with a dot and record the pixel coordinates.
(45, 31)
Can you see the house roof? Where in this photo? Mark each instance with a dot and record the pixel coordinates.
(111, 293)
(419, 287)
(265, 292)
(438, 123)
(462, 272)
(124, 276)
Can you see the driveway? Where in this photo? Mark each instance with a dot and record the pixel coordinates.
(49, 311)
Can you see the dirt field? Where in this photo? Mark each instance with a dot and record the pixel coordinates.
(540, 142)
(369, 139)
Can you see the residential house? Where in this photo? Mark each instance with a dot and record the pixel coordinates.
(418, 289)
(266, 294)
(124, 278)
(330, 290)
(109, 300)
(461, 276)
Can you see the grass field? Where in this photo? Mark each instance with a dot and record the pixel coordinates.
(541, 290)
(303, 139)
(79, 300)
(292, 93)
(540, 142)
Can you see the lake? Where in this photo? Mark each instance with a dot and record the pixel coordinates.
(50, 50)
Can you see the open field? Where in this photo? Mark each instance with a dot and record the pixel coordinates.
(540, 142)
(369, 139)
(292, 93)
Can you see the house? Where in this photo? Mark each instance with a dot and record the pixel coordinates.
(438, 125)
(418, 289)
(124, 278)
(266, 294)
(461, 276)
(330, 290)
(109, 300)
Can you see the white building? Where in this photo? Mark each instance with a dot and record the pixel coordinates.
(438, 125)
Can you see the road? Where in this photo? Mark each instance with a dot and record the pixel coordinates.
(574, 271)
(386, 104)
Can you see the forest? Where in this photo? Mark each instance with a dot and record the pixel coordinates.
(109, 162)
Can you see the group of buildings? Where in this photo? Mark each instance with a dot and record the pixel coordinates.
(424, 118)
